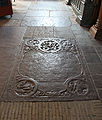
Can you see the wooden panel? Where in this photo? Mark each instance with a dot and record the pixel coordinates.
(84, 10)
(96, 30)
(6, 10)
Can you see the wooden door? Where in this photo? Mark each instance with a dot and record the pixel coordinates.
(5, 7)
(96, 30)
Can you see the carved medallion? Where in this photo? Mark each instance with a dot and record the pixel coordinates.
(49, 46)
(26, 87)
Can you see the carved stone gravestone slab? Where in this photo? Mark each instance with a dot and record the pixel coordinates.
(49, 69)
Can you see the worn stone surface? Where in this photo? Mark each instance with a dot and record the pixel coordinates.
(92, 58)
(50, 69)
(95, 68)
(98, 80)
(11, 38)
(45, 19)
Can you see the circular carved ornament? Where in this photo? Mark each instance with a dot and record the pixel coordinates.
(78, 86)
(32, 43)
(49, 45)
(26, 87)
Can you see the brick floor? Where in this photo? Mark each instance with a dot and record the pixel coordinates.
(86, 110)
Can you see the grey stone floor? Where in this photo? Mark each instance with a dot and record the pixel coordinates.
(40, 19)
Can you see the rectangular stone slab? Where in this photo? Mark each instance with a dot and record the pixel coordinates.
(49, 69)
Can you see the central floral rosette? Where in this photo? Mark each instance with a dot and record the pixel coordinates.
(49, 46)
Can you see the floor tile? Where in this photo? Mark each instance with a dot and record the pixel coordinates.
(11, 35)
(92, 58)
(100, 55)
(98, 80)
(46, 21)
(88, 49)
(100, 94)
(18, 16)
(95, 68)
(99, 49)
(38, 13)
(59, 13)
(48, 6)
